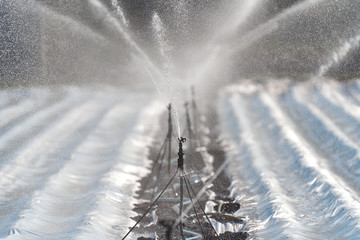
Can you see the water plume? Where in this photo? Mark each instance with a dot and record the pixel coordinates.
(181, 16)
(112, 21)
(165, 51)
(339, 54)
(243, 10)
(222, 53)
(115, 4)
(99, 135)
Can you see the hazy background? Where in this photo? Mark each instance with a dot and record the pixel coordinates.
(71, 41)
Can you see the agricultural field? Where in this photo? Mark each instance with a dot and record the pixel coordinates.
(74, 158)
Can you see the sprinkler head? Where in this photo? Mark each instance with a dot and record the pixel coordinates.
(181, 154)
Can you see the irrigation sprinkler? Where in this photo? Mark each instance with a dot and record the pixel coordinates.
(181, 168)
(200, 193)
(181, 154)
(169, 137)
(184, 181)
(150, 207)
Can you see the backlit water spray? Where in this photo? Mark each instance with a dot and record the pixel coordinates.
(181, 16)
(165, 52)
(114, 22)
(120, 13)
(339, 54)
(222, 48)
(74, 156)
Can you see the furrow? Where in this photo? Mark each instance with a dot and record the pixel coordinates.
(39, 100)
(43, 156)
(241, 177)
(277, 216)
(9, 113)
(110, 218)
(288, 178)
(341, 158)
(61, 206)
(12, 97)
(19, 136)
(294, 179)
(283, 164)
(351, 92)
(333, 94)
(333, 115)
(334, 128)
(327, 204)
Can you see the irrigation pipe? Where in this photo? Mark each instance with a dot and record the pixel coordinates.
(147, 211)
(203, 189)
(197, 200)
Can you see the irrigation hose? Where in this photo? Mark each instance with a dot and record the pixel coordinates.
(160, 166)
(196, 214)
(202, 190)
(206, 216)
(154, 165)
(181, 204)
(147, 211)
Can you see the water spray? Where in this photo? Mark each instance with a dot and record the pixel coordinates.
(122, 29)
(339, 54)
(188, 123)
(165, 52)
(194, 111)
(120, 12)
(176, 117)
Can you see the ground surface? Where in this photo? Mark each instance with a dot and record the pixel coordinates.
(294, 158)
(71, 159)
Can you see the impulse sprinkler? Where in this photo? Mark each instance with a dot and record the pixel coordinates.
(181, 168)
(181, 154)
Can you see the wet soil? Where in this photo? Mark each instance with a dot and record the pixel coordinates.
(163, 214)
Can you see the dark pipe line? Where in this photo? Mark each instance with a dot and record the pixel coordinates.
(147, 211)
(153, 166)
(158, 173)
(207, 218)
(196, 214)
